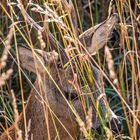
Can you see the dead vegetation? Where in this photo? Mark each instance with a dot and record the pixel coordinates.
(68, 99)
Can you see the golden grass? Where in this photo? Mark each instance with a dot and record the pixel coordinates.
(123, 59)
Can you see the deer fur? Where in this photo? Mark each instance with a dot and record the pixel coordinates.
(47, 106)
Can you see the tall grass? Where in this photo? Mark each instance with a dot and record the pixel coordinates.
(62, 21)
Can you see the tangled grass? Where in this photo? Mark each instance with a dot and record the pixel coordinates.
(43, 24)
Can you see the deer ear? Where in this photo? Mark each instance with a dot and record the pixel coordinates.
(30, 60)
(33, 60)
(96, 37)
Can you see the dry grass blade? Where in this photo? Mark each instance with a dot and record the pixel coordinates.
(5, 75)
(74, 92)
(69, 7)
(111, 65)
(18, 131)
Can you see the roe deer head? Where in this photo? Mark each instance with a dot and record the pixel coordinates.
(59, 98)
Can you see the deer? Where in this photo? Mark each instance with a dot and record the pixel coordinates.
(54, 104)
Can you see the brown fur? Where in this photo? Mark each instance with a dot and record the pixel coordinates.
(46, 98)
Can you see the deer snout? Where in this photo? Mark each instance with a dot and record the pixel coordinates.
(70, 95)
(114, 122)
(115, 125)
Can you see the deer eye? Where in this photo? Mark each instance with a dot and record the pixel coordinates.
(59, 64)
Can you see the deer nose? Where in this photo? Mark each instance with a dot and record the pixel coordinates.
(70, 95)
(115, 125)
